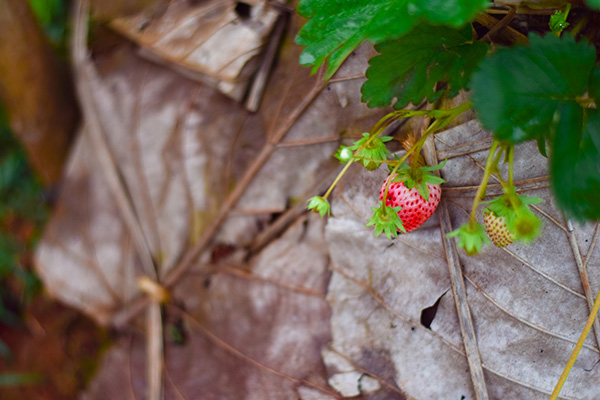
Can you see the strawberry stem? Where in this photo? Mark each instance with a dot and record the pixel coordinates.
(338, 177)
(443, 118)
(489, 166)
(383, 122)
(511, 165)
(508, 186)
(372, 135)
(417, 147)
(578, 346)
(494, 169)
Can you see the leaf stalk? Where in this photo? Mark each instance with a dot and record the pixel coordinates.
(489, 166)
(577, 349)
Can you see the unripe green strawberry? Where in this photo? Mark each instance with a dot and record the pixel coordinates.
(496, 229)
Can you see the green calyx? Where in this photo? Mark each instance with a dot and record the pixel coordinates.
(319, 205)
(558, 20)
(471, 237)
(386, 220)
(419, 177)
(521, 222)
(371, 151)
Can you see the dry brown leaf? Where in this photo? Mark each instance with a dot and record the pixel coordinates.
(304, 159)
(259, 329)
(527, 302)
(106, 10)
(216, 41)
(180, 147)
(170, 140)
(43, 116)
(253, 333)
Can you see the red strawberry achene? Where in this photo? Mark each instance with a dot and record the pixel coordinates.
(415, 210)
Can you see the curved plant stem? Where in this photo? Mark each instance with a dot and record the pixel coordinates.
(491, 161)
(444, 117)
(578, 346)
(338, 177)
(383, 122)
(511, 165)
(375, 132)
(416, 148)
(507, 185)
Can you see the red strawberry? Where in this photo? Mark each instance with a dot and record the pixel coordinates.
(496, 229)
(415, 210)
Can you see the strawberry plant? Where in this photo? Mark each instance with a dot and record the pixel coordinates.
(545, 90)
(416, 196)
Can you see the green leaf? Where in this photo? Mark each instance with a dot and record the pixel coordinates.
(551, 103)
(529, 199)
(595, 4)
(502, 205)
(575, 162)
(409, 68)
(518, 92)
(52, 16)
(14, 379)
(541, 144)
(418, 177)
(433, 179)
(319, 205)
(423, 190)
(435, 167)
(336, 27)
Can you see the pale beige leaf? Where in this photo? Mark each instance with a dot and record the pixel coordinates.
(527, 302)
(252, 333)
(211, 41)
(165, 135)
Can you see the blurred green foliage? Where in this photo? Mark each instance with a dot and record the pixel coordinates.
(52, 16)
(23, 212)
(22, 202)
(23, 208)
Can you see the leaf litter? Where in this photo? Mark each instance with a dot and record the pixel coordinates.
(180, 147)
(259, 325)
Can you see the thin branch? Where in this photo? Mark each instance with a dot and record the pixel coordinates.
(369, 290)
(89, 83)
(503, 23)
(262, 75)
(507, 33)
(155, 351)
(459, 290)
(577, 349)
(285, 220)
(364, 371)
(585, 282)
(229, 270)
(189, 258)
(229, 348)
